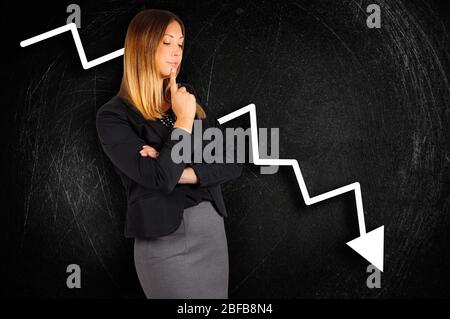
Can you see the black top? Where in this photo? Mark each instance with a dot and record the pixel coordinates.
(155, 200)
(194, 194)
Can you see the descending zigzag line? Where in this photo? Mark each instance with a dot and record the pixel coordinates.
(253, 128)
(369, 245)
(293, 162)
(76, 37)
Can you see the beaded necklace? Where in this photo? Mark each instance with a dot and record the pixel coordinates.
(168, 119)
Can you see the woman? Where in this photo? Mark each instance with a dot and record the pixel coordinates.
(175, 211)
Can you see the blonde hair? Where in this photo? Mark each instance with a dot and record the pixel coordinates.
(141, 84)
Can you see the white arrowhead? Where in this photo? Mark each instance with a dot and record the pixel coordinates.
(370, 246)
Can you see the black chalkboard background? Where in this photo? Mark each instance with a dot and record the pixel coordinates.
(352, 104)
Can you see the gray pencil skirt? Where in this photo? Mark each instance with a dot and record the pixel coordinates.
(191, 262)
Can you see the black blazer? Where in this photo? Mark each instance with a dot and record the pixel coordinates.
(155, 202)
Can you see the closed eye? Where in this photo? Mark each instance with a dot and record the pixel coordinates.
(180, 45)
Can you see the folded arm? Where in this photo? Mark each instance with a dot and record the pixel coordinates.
(210, 174)
(122, 145)
(204, 174)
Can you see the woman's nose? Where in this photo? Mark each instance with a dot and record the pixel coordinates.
(177, 51)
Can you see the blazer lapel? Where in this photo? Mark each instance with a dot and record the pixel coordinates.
(143, 126)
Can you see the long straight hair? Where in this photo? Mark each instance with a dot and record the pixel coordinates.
(141, 84)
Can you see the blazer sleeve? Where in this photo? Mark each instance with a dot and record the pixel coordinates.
(121, 144)
(210, 174)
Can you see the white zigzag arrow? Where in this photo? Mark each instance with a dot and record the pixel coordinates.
(76, 37)
(369, 245)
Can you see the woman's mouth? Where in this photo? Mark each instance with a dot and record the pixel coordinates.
(174, 64)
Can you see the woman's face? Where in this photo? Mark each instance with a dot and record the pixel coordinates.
(170, 50)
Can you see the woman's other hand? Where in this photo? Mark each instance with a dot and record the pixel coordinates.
(188, 176)
(148, 151)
